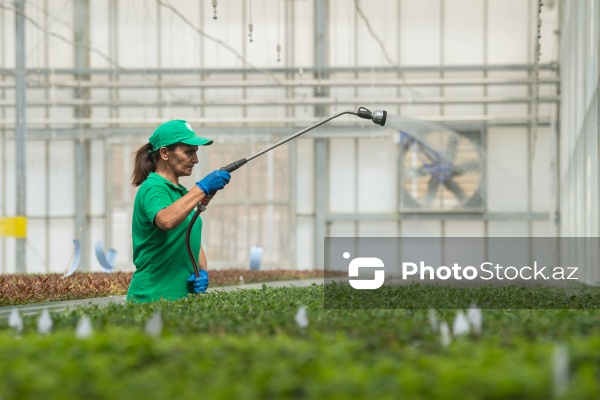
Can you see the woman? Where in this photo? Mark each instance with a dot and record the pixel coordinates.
(162, 211)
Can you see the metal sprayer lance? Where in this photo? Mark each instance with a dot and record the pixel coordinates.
(378, 117)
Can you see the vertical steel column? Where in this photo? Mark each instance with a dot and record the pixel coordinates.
(486, 36)
(321, 187)
(321, 200)
(82, 62)
(113, 51)
(47, 114)
(21, 128)
(531, 108)
(288, 58)
(3, 155)
(321, 51)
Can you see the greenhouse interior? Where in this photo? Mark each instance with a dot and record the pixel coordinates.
(84, 84)
(304, 154)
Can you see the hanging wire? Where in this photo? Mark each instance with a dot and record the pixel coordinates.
(382, 46)
(214, 4)
(250, 25)
(278, 30)
(217, 41)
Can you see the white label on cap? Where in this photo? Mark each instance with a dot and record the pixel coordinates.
(187, 125)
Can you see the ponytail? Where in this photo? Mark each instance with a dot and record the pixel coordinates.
(143, 164)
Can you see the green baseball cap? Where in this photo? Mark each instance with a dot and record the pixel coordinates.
(176, 131)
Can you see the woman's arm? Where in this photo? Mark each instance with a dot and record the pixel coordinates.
(173, 215)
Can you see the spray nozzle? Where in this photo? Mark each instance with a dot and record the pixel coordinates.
(377, 116)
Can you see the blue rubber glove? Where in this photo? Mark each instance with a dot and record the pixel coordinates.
(200, 284)
(214, 181)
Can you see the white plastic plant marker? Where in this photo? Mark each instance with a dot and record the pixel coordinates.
(301, 317)
(84, 328)
(475, 318)
(154, 326)
(433, 321)
(461, 324)
(107, 261)
(15, 321)
(255, 256)
(44, 324)
(445, 337)
(75, 258)
(560, 370)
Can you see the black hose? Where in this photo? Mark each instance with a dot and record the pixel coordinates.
(201, 207)
(188, 246)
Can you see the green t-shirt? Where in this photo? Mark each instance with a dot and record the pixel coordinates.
(162, 265)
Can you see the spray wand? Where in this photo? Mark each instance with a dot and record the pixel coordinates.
(377, 116)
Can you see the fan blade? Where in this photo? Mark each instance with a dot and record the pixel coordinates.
(454, 188)
(432, 188)
(412, 173)
(429, 152)
(451, 148)
(467, 167)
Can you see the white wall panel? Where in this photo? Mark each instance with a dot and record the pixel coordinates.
(99, 33)
(342, 176)
(420, 32)
(341, 30)
(97, 178)
(10, 245)
(303, 46)
(420, 228)
(137, 36)
(305, 178)
(61, 244)
(464, 229)
(62, 178)
(463, 92)
(343, 229)
(36, 246)
(507, 161)
(10, 184)
(508, 229)
(3, 170)
(121, 235)
(463, 32)
(377, 175)
(8, 22)
(542, 196)
(509, 110)
(421, 110)
(61, 54)
(97, 235)
(36, 178)
(305, 244)
(377, 229)
(508, 31)
(382, 19)
(544, 228)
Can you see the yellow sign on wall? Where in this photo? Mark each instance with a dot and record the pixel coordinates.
(13, 227)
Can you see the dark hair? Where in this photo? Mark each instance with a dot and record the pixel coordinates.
(145, 163)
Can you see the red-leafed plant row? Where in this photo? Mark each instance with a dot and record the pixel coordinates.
(27, 289)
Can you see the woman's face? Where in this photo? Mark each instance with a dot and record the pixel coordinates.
(182, 159)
